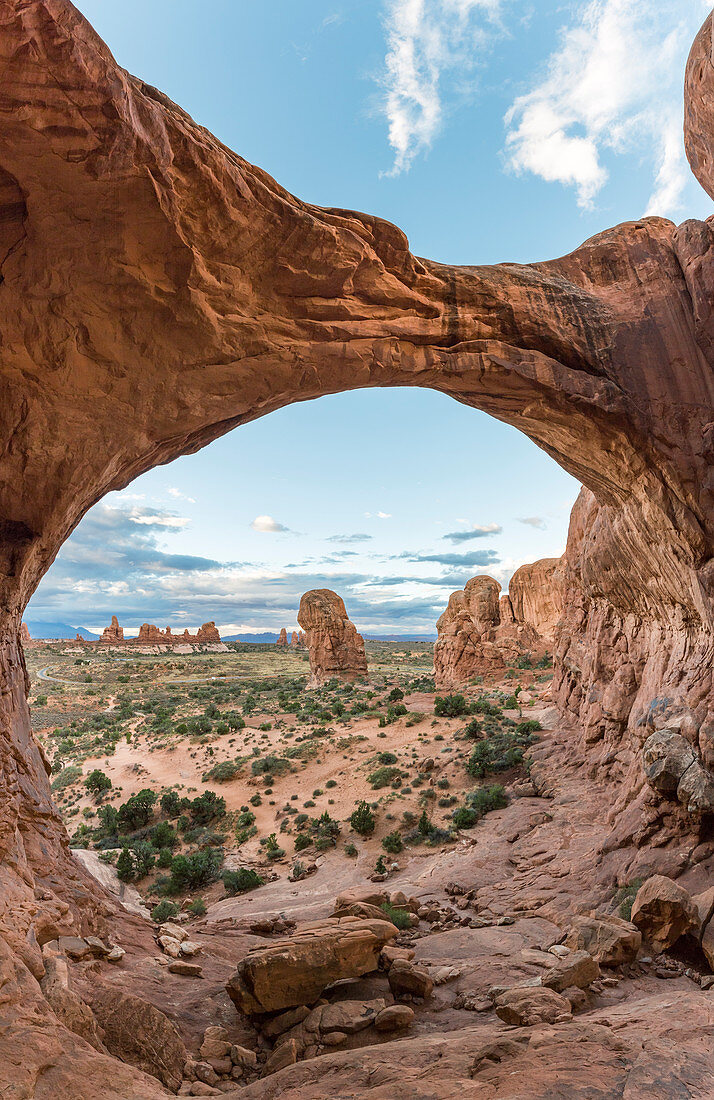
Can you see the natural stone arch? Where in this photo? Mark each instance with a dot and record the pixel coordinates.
(158, 291)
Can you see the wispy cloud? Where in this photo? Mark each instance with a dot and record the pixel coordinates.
(478, 532)
(359, 537)
(426, 41)
(534, 521)
(378, 515)
(268, 526)
(179, 495)
(614, 84)
(473, 559)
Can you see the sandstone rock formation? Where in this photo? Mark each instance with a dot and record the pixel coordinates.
(113, 634)
(150, 635)
(294, 640)
(295, 971)
(480, 632)
(24, 633)
(535, 593)
(190, 293)
(664, 912)
(335, 647)
(282, 638)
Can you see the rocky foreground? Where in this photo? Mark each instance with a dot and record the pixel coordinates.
(519, 969)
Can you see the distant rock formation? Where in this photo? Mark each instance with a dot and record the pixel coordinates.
(25, 633)
(152, 635)
(294, 640)
(113, 634)
(335, 647)
(282, 639)
(481, 631)
(536, 595)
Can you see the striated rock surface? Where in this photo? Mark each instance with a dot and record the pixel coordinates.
(663, 911)
(535, 593)
(335, 647)
(141, 1035)
(295, 971)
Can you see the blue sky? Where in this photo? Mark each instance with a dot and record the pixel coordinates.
(488, 130)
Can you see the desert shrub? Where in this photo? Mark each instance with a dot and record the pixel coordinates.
(451, 706)
(170, 803)
(396, 695)
(67, 777)
(474, 730)
(528, 725)
(144, 856)
(625, 896)
(125, 865)
(386, 758)
(137, 810)
(392, 843)
(97, 782)
(330, 784)
(240, 881)
(384, 777)
(255, 800)
(380, 866)
(363, 820)
(207, 807)
(163, 835)
(485, 799)
(486, 707)
(497, 753)
(465, 817)
(197, 908)
(164, 859)
(109, 820)
(302, 841)
(40, 701)
(197, 869)
(272, 848)
(400, 918)
(165, 910)
(350, 849)
(221, 773)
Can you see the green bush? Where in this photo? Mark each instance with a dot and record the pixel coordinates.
(207, 807)
(125, 865)
(137, 810)
(165, 910)
(165, 859)
(528, 725)
(392, 843)
(451, 706)
(400, 918)
(302, 841)
(163, 836)
(485, 799)
(221, 773)
(97, 782)
(465, 817)
(197, 908)
(386, 758)
(67, 777)
(192, 871)
(497, 753)
(384, 777)
(240, 881)
(170, 803)
(363, 820)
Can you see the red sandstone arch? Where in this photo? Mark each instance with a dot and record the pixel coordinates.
(157, 291)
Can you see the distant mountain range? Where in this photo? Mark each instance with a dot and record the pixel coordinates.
(64, 630)
(59, 630)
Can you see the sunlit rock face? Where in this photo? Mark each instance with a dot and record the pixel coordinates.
(334, 646)
(481, 632)
(156, 291)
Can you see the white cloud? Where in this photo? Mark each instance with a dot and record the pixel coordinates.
(178, 495)
(269, 526)
(146, 517)
(534, 521)
(475, 531)
(378, 515)
(425, 40)
(614, 84)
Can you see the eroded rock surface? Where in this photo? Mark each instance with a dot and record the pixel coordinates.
(334, 646)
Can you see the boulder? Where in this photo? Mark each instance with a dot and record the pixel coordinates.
(666, 755)
(610, 940)
(295, 971)
(394, 1018)
(577, 969)
(526, 1006)
(405, 977)
(663, 911)
(138, 1033)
